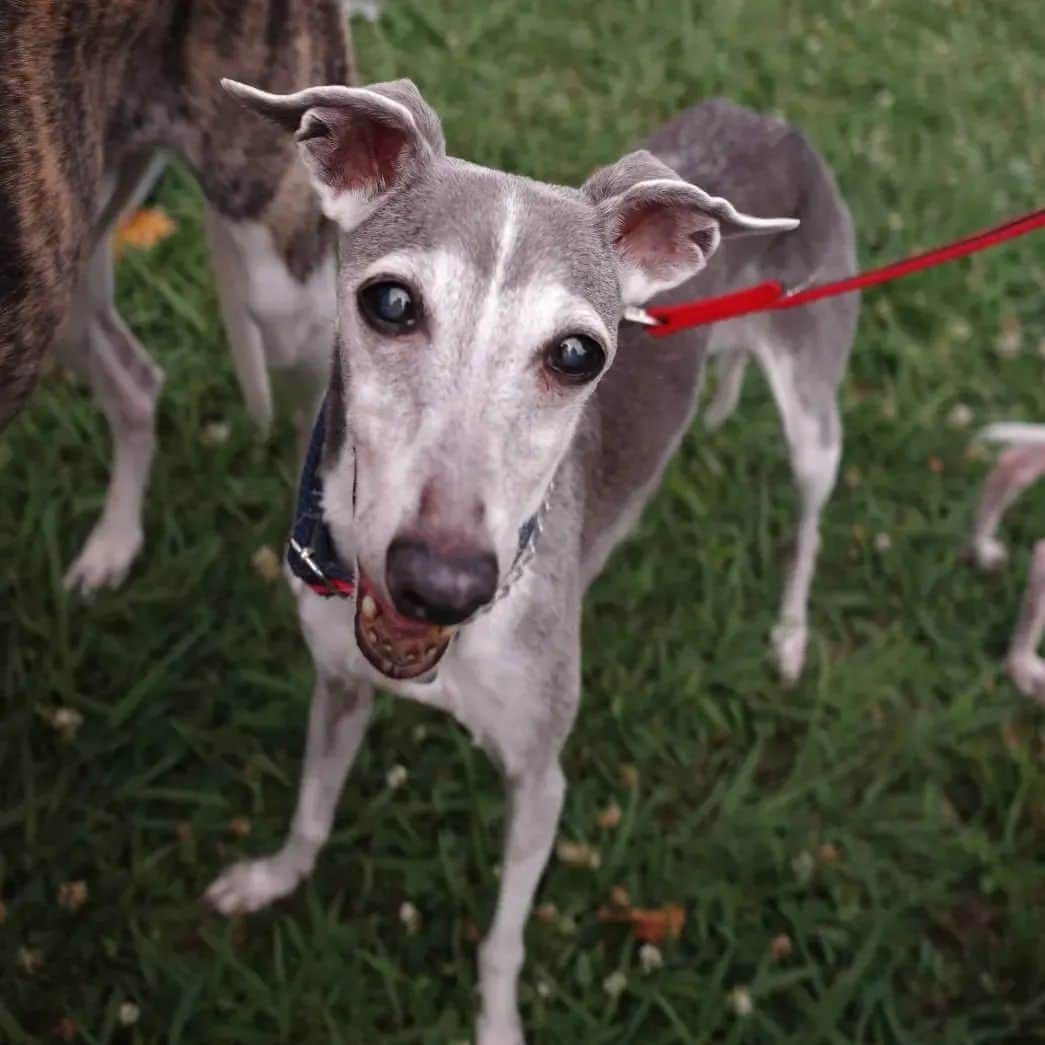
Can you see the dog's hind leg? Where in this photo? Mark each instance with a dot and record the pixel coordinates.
(813, 432)
(126, 383)
(278, 306)
(730, 366)
(1016, 469)
(1025, 667)
(337, 723)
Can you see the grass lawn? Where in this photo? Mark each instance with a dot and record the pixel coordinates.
(887, 815)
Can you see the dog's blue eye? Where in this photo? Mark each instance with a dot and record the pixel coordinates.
(389, 307)
(576, 358)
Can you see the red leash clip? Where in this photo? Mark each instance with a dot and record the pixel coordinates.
(771, 296)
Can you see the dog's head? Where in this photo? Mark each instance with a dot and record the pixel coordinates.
(477, 311)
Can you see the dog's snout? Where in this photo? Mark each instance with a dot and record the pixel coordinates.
(433, 586)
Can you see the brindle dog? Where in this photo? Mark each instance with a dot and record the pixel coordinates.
(94, 94)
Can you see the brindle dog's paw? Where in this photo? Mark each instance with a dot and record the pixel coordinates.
(105, 560)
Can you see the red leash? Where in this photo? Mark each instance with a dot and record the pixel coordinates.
(772, 296)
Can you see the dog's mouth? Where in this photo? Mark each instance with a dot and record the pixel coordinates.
(397, 646)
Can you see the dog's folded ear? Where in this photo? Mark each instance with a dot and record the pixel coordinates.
(359, 143)
(662, 228)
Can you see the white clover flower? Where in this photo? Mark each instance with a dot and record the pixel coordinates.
(410, 917)
(129, 1014)
(615, 984)
(650, 957)
(215, 433)
(740, 1002)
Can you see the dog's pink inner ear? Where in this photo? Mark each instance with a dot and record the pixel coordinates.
(658, 238)
(354, 154)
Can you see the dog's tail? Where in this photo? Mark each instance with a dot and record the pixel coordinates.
(1014, 433)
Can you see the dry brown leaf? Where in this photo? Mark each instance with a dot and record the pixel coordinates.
(72, 895)
(64, 1029)
(547, 913)
(143, 229)
(239, 826)
(651, 925)
(1012, 736)
(829, 853)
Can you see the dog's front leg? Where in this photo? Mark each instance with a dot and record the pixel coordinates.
(337, 721)
(534, 805)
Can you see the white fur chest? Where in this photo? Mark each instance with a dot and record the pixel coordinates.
(481, 681)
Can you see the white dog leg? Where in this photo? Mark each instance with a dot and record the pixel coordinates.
(814, 438)
(1017, 468)
(1025, 667)
(337, 722)
(534, 804)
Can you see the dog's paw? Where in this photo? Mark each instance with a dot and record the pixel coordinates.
(789, 650)
(1027, 672)
(499, 1032)
(105, 560)
(989, 554)
(252, 884)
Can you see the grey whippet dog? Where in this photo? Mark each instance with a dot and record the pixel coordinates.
(95, 93)
(487, 407)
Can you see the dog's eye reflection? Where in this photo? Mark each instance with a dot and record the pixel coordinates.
(575, 358)
(389, 307)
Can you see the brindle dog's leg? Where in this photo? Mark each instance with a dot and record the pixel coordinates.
(126, 383)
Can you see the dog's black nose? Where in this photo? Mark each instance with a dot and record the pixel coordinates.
(440, 588)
